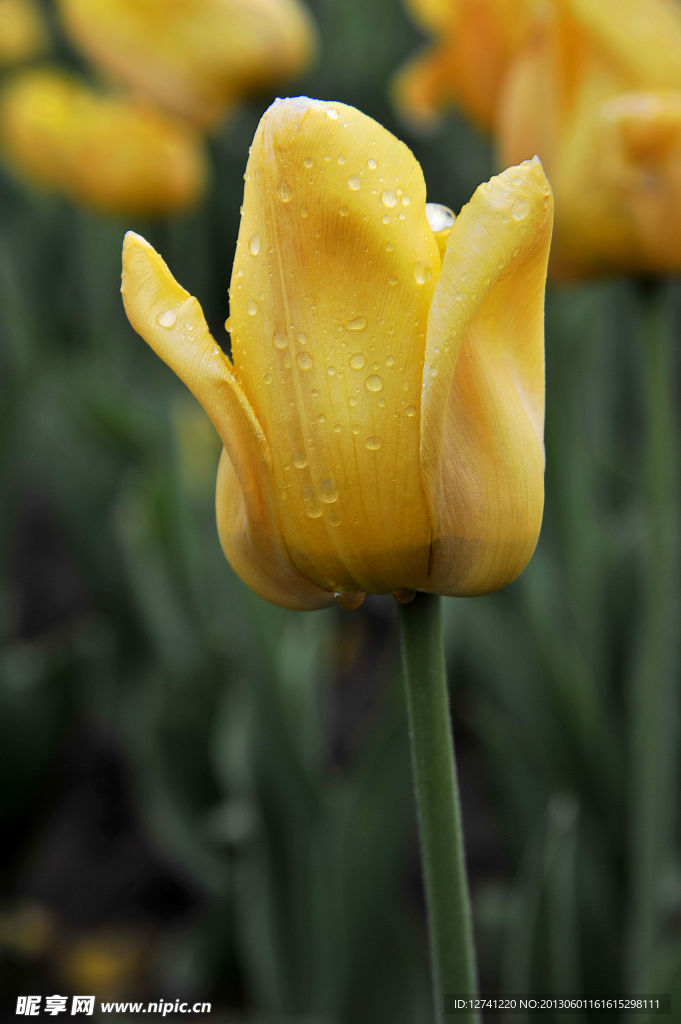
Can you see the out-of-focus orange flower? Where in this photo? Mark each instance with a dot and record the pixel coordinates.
(596, 92)
(475, 40)
(194, 57)
(23, 34)
(382, 418)
(111, 153)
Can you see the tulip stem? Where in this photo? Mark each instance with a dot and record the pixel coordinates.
(450, 928)
(655, 666)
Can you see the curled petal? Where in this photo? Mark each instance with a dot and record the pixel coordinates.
(172, 323)
(332, 282)
(194, 58)
(483, 386)
(110, 153)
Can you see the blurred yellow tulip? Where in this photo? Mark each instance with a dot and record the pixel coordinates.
(466, 66)
(111, 153)
(194, 57)
(596, 92)
(382, 418)
(23, 34)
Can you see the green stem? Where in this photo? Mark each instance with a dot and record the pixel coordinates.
(655, 669)
(437, 798)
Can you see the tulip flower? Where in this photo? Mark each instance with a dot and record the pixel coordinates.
(111, 153)
(382, 413)
(196, 57)
(596, 92)
(23, 34)
(476, 40)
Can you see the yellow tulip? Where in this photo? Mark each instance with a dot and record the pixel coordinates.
(596, 92)
(23, 34)
(194, 57)
(382, 417)
(476, 40)
(110, 153)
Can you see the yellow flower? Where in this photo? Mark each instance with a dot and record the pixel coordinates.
(194, 57)
(23, 34)
(476, 39)
(596, 92)
(111, 153)
(382, 418)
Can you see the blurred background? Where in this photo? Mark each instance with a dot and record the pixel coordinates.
(207, 797)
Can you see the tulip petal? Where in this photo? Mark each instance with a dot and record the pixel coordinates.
(483, 386)
(194, 58)
(171, 321)
(112, 153)
(333, 277)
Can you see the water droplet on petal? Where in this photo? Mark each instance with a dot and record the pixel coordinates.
(304, 360)
(372, 163)
(254, 245)
(354, 182)
(372, 444)
(392, 280)
(252, 307)
(440, 217)
(308, 161)
(285, 192)
(299, 460)
(374, 382)
(328, 491)
(357, 361)
(167, 318)
(520, 208)
(389, 247)
(310, 504)
(422, 273)
(334, 520)
(332, 113)
(279, 338)
(343, 211)
(410, 411)
(406, 200)
(228, 325)
(388, 198)
(358, 323)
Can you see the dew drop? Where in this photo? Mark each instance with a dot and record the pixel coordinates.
(389, 247)
(392, 280)
(332, 113)
(372, 444)
(267, 378)
(357, 361)
(301, 337)
(331, 370)
(355, 429)
(343, 211)
(386, 218)
(440, 217)
(341, 160)
(372, 163)
(299, 460)
(422, 273)
(285, 192)
(304, 360)
(254, 245)
(334, 520)
(358, 323)
(354, 182)
(406, 200)
(167, 318)
(352, 401)
(304, 212)
(308, 161)
(388, 198)
(410, 411)
(389, 360)
(328, 491)
(520, 208)
(279, 338)
(228, 325)
(374, 382)
(310, 504)
(252, 307)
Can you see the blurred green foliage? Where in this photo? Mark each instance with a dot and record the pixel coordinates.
(229, 783)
